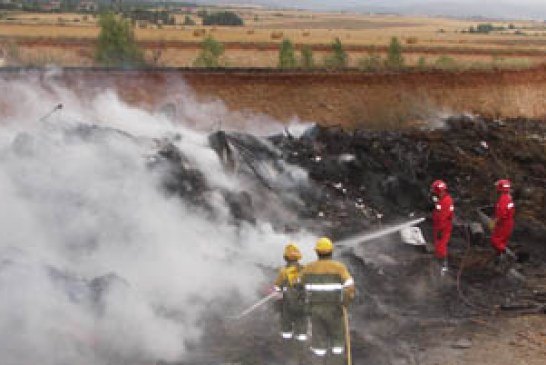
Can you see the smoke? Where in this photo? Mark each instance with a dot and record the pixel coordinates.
(98, 265)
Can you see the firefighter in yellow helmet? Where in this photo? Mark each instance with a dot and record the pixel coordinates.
(329, 288)
(288, 282)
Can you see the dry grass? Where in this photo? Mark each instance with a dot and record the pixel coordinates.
(303, 27)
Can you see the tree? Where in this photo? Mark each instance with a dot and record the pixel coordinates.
(222, 18)
(211, 51)
(394, 54)
(188, 20)
(339, 58)
(446, 63)
(287, 58)
(116, 44)
(307, 59)
(485, 28)
(371, 63)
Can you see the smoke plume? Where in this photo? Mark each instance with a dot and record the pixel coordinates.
(98, 265)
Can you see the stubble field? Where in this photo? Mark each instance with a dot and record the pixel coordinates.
(69, 39)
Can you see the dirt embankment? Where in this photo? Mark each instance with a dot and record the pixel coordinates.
(348, 98)
(365, 99)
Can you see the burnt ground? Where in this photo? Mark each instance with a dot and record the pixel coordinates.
(405, 313)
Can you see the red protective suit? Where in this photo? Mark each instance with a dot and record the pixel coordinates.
(504, 222)
(442, 217)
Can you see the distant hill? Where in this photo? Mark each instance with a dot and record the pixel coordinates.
(528, 9)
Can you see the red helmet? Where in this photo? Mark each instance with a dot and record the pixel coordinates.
(503, 186)
(438, 187)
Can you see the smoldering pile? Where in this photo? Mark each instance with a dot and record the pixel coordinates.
(336, 182)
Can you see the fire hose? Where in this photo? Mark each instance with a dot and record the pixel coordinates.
(57, 107)
(255, 306)
(347, 336)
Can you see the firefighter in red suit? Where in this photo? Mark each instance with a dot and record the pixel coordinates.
(442, 218)
(503, 223)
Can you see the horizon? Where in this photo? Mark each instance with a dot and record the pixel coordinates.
(506, 9)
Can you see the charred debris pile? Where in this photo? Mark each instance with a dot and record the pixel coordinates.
(339, 182)
(392, 171)
(361, 179)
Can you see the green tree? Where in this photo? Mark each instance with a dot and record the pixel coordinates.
(222, 18)
(287, 57)
(307, 58)
(188, 20)
(485, 28)
(116, 44)
(371, 63)
(211, 51)
(446, 63)
(338, 58)
(394, 54)
(422, 62)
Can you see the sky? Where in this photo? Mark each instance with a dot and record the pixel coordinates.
(534, 9)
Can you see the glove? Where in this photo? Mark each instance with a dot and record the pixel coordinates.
(274, 290)
(492, 223)
(347, 299)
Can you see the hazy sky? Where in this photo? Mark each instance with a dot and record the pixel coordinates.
(494, 8)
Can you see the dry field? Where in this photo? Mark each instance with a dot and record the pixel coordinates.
(68, 39)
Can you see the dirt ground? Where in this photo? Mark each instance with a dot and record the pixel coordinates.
(499, 341)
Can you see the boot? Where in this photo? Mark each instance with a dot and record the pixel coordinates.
(442, 263)
(510, 254)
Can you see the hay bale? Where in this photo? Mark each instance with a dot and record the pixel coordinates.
(412, 40)
(277, 35)
(250, 31)
(199, 32)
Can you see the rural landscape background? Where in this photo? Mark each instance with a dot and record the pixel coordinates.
(171, 35)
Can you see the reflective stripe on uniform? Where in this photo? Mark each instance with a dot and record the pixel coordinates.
(510, 205)
(323, 287)
(301, 337)
(319, 352)
(337, 350)
(438, 207)
(287, 335)
(349, 282)
(451, 208)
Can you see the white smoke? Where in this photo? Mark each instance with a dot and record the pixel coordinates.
(97, 264)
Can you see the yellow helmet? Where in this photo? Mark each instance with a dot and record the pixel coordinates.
(292, 252)
(324, 246)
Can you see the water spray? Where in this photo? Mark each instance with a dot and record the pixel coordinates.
(255, 306)
(369, 236)
(57, 107)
